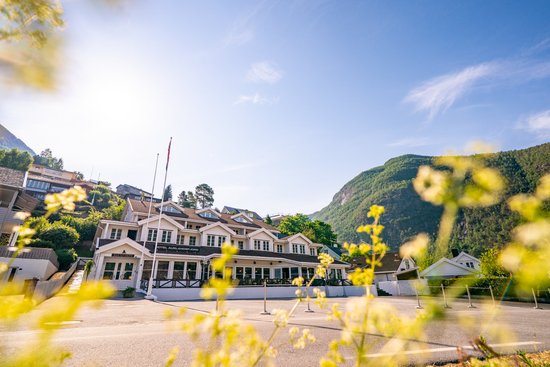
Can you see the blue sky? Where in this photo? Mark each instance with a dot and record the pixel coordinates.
(276, 104)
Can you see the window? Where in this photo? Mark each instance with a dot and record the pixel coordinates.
(180, 239)
(152, 235)
(407, 265)
(192, 240)
(293, 273)
(191, 270)
(265, 245)
(210, 240)
(208, 215)
(239, 272)
(313, 252)
(116, 233)
(257, 245)
(162, 270)
(109, 270)
(128, 267)
(221, 240)
(241, 245)
(171, 209)
(166, 236)
(189, 226)
(179, 268)
(38, 184)
(280, 248)
(247, 273)
(302, 249)
(294, 248)
(278, 273)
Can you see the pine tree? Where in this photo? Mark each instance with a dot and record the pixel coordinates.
(204, 195)
(167, 196)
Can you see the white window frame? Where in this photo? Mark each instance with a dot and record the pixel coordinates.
(166, 236)
(280, 249)
(192, 241)
(210, 240)
(116, 233)
(265, 245)
(295, 248)
(180, 239)
(313, 251)
(152, 234)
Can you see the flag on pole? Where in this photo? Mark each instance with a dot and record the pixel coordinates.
(168, 157)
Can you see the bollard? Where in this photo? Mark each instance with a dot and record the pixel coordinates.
(536, 302)
(444, 297)
(265, 312)
(492, 295)
(308, 308)
(419, 306)
(470, 305)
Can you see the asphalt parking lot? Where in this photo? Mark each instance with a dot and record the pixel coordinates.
(135, 332)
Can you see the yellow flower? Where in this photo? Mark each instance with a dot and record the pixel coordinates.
(431, 185)
(415, 247)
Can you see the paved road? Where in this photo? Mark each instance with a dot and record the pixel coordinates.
(135, 333)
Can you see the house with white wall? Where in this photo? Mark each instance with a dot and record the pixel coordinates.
(33, 262)
(392, 267)
(461, 265)
(188, 240)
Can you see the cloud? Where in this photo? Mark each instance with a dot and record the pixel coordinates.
(411, 142)
(440, 93)
(255, 98)
(264, 72)
(538, 123)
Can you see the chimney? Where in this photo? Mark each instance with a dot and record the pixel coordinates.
(455, 252)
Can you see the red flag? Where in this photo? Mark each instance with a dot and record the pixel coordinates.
(168, 157)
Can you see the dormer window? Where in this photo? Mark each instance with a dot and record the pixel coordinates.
(241, 220)
(208, 215)
(171, 209)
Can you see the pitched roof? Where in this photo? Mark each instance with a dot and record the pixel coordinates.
(12, 177)
(233, 210)
(190, 214)
(390, 262)
(36, 253)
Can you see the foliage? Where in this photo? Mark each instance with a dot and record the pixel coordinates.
(101, 196)
(187, 199)
(79, 175)
(47, 159)
(65, 257)
(317, 231)
(115, 209)
(129, 292)
(61, 235)
(40, 351)
(88, 268)
(390, 185)
(167, 195)
(204, 195)
(268, 220)
(86, 227)
(15, 159)
(490, 264)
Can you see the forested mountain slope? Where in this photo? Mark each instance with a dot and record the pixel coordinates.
(406, 214)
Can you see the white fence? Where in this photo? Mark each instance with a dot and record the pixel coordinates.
(47, 288)
(405, 287)
(191, 294)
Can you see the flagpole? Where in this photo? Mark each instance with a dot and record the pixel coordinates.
(142, 260)
(154, 268)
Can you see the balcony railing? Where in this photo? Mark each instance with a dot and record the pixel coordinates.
(248, 282)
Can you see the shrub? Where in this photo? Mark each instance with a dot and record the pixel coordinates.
(61, 235)
(66, 257)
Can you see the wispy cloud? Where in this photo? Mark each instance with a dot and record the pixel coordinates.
(538, 123)
(438, 94)
(264, 71)
(243, 29)
(255, 98)
(411, 142)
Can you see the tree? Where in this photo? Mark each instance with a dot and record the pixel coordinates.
(187, 199)
(489, 263)
(317, 231)
(167, 196)
(204, 195)
(268, 220)
(47, 159)
(79, 175)
(101, 197)
(15, 159)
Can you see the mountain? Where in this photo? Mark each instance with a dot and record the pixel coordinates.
(406, 214)
(9, 141)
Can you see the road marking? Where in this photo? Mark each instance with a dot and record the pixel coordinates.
(447, 349)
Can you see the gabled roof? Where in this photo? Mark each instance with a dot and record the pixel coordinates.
(165, 217)
(389, 263)
(123, 241)
(204, 210)
(217, 224)
(261, 230)
(233, 210)
(450, 262)
(464, 255)
(12, 177)
(242, 215)
(290, 238)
